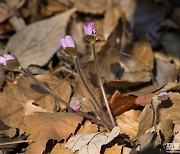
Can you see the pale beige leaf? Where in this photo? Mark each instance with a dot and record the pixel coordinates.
(36, 43)
(91, 143)
(44, 126)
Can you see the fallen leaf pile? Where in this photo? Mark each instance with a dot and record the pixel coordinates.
(137, 49)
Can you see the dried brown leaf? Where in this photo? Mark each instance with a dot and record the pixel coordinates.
(128, 122)
(94, 7)
(36, 93)
(11, 106)
(168, 109)
(165, 72)
(15, 95)
(88, 127)
(44, 126)
(60, 149)
(37, 39)
(116, 149)
(144, 99)
(170, 41)
(30, 108)
(111, 20)
(143, 52)
(5, 12)
(120, 104)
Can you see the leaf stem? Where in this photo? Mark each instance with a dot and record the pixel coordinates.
(101, 85)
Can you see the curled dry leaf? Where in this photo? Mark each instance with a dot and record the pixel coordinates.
(120, 104)
(37, 39)
(91, 143)
(44, 126)
(168, 109)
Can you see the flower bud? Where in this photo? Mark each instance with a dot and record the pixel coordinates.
(9, 61)
(163, 95)
(68, 46)
(90, 32)
(76, 104)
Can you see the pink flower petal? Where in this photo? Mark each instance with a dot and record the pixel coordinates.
(91, 24)
(2, 60)
(62, 43)
(69, 41)
(8, 56)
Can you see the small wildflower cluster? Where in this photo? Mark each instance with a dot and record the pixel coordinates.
(68, 45)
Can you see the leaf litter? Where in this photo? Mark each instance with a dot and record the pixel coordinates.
(137, 51)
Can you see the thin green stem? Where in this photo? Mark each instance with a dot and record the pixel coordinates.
(94, 101)
(101, 86)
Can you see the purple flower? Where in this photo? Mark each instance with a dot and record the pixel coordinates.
(89, 29)
(68, 46)
(163, 95)
(67, 42)
(5, 58)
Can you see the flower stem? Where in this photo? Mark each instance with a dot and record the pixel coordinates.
(94, 101)
(101, 85)
(154, 121)
(48, 90)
